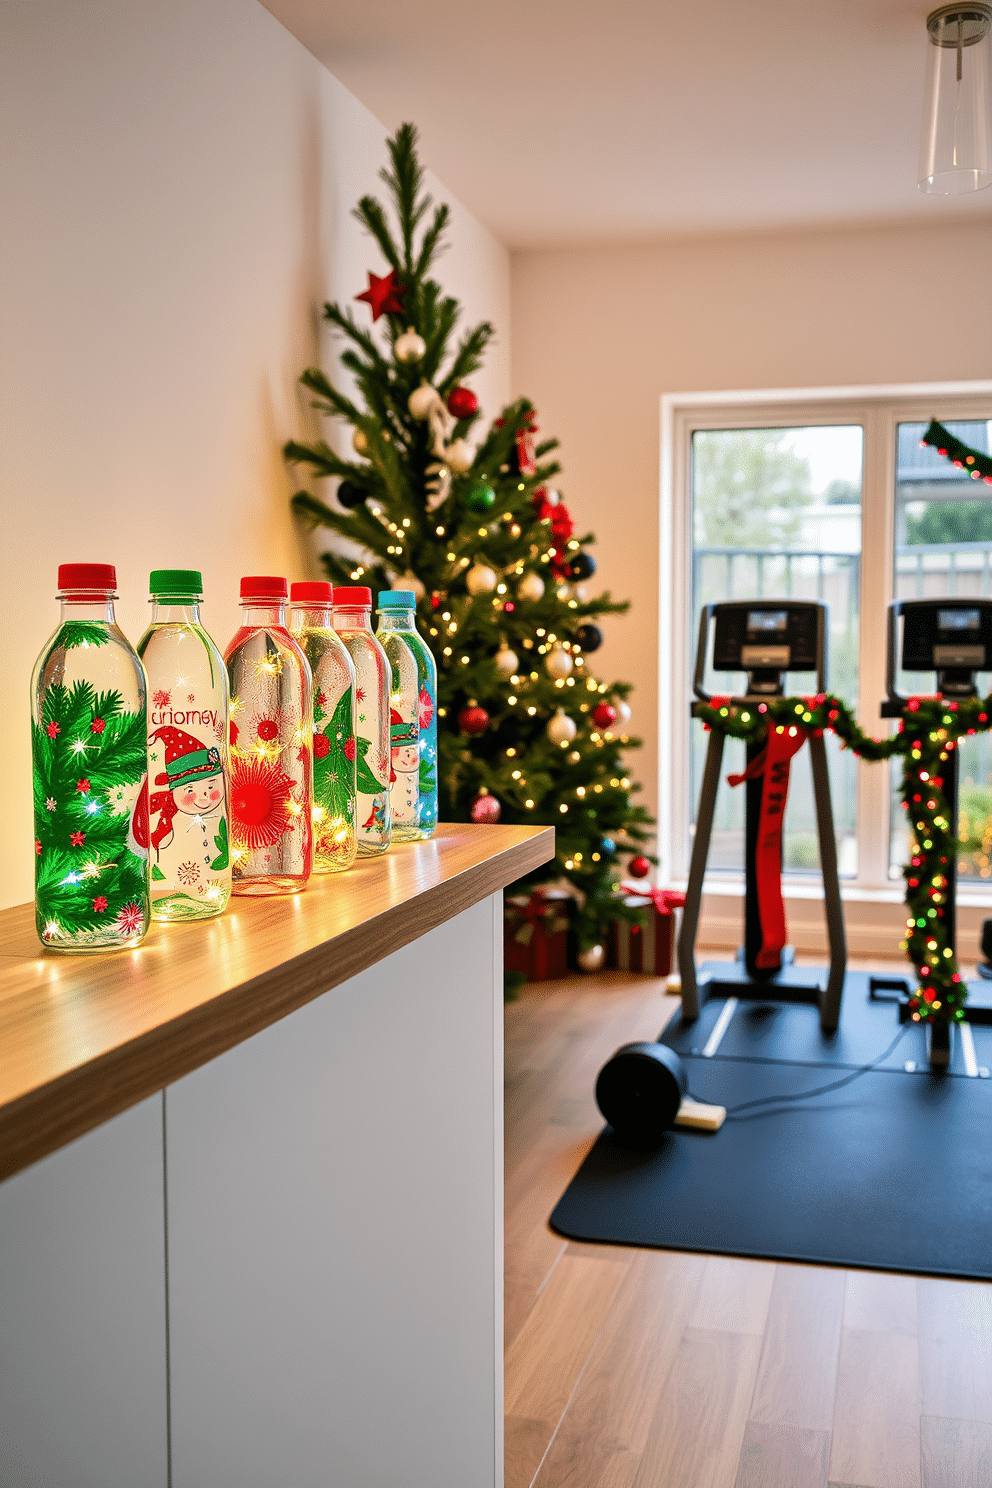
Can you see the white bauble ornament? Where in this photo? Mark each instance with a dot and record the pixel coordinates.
(507, 661)
(459, 454)
(593, 958)
(411, 582)
(422, 400)
(409, 347)
(531, 587)
(623, 711)
(480, 579)
(360, 442)
(559, 663)
(561, 729)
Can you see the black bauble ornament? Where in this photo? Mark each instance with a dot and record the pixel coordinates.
(350, 495)
(588, 637)
(582, 566)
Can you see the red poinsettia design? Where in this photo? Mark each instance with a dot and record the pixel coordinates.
(129, 919)
(161, 699)
(321, 746)
(268, 729)
(97, 726)
(99, 904)
(82, 786)
(53, 730)
(77, 838)
(260, 795)
(321, 699)
(360, 695)
(426, 708)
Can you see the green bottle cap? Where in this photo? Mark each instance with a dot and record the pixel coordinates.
(184, 581)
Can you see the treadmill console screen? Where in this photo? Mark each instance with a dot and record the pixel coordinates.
(937, 634)
(780, 638)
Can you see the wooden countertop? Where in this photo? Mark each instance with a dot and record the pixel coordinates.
(83, 1038)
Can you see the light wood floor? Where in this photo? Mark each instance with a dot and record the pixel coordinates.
(634, 1368)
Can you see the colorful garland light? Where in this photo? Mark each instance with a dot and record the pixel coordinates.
(971, 461)
(928, 732)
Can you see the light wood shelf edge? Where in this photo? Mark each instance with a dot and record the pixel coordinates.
(55, 1106)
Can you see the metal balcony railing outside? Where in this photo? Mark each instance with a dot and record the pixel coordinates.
(923, 564)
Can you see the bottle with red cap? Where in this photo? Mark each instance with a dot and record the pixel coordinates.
(89, 724)
(335, 840)
(189, 838)
(271, 737)
(352, 619)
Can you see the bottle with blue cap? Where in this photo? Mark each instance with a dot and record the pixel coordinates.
(188, 776)
(398, 628)
(351, 618)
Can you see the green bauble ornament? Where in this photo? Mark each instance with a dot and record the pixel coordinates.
(480, 497)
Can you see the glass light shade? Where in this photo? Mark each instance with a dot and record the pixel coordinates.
(956, 148)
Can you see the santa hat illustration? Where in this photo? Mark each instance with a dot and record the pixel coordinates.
(400, 732)
(186, 758)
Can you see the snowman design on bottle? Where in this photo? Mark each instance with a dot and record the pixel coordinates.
(404, 748)
(189, 841)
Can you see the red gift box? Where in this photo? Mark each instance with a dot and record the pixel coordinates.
(647, 943)
(536, 934)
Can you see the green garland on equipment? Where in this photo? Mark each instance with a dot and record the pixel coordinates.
(973, 462)
(929, 730)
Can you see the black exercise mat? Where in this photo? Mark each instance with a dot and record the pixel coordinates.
(893, 1172)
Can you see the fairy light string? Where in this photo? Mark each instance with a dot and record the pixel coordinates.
(929, 731)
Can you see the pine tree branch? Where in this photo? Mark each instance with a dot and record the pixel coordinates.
(468, 357)
(321, 459)
(345, 322)
(430, 243)
(370, 214)
(405, 182)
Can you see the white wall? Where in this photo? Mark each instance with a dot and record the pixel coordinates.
(600, 334)
(177, 185)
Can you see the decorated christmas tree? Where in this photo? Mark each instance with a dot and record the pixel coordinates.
(465, 515)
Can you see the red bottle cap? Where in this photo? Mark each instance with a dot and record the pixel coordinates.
(87, 576)
(263, 586)
(318, 591)
(347, 595)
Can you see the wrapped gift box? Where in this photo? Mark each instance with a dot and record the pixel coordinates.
(536, 934)
(645, 943)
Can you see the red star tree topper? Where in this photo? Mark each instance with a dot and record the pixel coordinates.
(384, 295)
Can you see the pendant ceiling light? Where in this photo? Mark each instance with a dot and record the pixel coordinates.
(956, 150)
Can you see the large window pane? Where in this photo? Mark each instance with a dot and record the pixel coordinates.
(776, 513)
(943, 546)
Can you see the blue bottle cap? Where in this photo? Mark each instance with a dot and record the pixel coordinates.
(397, 599)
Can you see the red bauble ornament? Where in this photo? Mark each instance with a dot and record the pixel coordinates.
(604, 715)
(485, 809)
(462, 403)
(638, 867)
(473, 720)
(384, 295)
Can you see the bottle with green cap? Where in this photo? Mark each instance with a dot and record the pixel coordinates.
(416, 775)
(335, 802)
(189, 843)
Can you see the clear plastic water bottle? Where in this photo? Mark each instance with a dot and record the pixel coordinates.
(352, 620)
(189, 835)
(88, 753)
(398, 622)
(271, 735)
(335, 807)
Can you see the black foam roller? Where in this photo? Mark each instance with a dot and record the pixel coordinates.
(639, 1092)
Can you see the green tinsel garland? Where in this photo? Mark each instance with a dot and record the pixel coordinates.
(972, 462)
(929, 730)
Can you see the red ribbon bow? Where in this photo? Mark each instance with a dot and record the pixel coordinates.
(664, 900)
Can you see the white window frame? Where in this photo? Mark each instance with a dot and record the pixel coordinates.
(877, 410)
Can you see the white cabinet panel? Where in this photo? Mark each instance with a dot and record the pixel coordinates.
(333, 1222)
(82, 1313)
